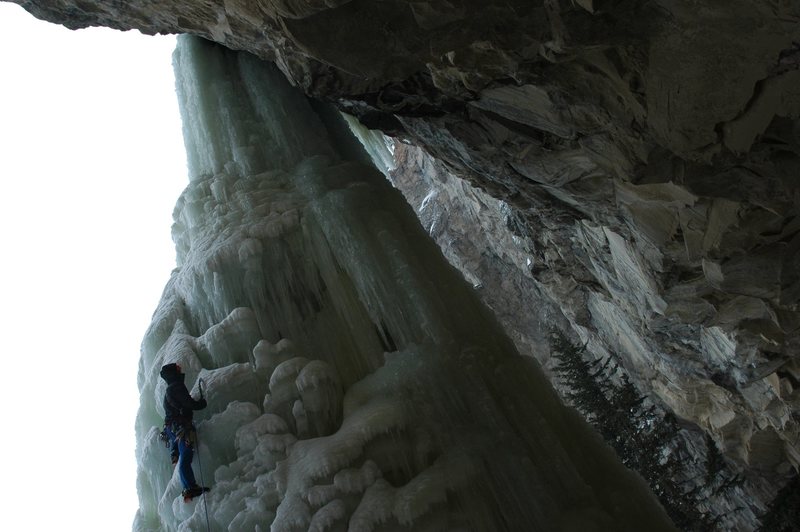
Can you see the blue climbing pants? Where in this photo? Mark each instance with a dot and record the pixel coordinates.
(181, 444)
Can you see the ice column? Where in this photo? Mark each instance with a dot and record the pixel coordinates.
(354, 381)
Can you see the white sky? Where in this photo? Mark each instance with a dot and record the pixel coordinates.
(91, 164)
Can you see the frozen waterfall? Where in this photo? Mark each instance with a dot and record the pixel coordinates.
(353, 380)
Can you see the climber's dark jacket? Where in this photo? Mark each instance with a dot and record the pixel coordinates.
(178, 404)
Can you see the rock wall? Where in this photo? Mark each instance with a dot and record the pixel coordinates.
(495, 249)
(643, 156)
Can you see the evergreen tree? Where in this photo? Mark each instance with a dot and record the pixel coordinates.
(645, 440)
(783, 513)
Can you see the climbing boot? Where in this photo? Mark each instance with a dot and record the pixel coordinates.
(194, 491)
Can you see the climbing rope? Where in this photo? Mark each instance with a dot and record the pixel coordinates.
(201, 383)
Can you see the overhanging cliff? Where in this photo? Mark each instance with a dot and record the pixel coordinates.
(636, 168)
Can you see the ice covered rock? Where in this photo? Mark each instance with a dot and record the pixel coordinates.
(352, 376)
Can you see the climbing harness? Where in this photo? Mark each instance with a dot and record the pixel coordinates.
(164, 437)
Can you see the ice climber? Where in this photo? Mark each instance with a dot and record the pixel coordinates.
(179, 431)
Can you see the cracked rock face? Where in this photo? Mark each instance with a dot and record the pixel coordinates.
(636, 169)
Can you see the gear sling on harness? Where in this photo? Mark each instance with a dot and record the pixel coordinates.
(180, 439)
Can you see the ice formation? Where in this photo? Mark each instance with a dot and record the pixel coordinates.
(353, 380)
